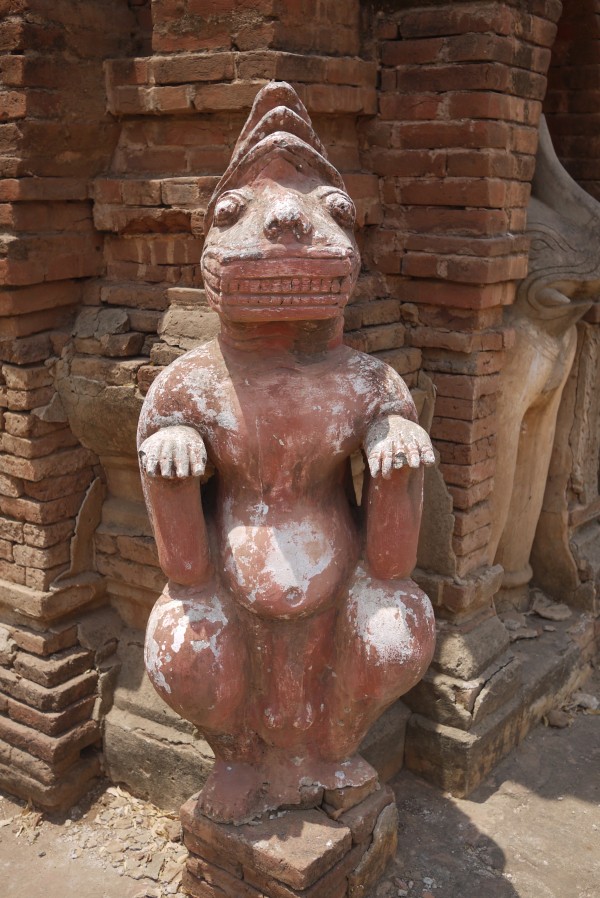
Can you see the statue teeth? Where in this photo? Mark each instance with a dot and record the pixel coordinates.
(278, 286)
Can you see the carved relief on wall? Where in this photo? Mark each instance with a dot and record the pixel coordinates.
(563, 280)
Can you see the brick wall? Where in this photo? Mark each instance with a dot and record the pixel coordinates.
(54, 135)
(110, 145)
(573, 101)
(454, 145)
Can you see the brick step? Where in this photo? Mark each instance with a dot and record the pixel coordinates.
(55, 669)
(43, 698)
(59, 795)
(51, 749)
(51, 723)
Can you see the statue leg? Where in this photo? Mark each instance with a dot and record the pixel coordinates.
(196, 656)
(385, 638)
(531, 464)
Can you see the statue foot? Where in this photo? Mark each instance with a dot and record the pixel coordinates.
(235, 792)
(238, 792)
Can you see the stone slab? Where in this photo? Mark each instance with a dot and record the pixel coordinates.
(361, 819)
(553, 666)
(294, 847)
(157, 762)
(380, 853)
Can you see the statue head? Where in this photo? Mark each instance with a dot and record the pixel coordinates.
(279, 226)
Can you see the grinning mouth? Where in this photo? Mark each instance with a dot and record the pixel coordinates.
(324, 281)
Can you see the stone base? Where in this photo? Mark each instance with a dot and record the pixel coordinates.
(336, 850)
(552, 666)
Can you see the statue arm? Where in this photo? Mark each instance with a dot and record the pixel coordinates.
(396, 448)
(172, 457)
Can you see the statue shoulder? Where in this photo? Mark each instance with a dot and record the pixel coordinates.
(391, 396)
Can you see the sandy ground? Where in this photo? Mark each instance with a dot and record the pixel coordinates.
(532, 830)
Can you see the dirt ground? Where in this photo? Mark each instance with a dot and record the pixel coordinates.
(532, 830)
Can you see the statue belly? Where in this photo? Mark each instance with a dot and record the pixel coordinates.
(290, 567)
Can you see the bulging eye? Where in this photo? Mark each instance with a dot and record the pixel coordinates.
(228, 209)
(341, 208)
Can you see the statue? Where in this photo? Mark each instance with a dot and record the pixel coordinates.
(289, 622)
(563, 222)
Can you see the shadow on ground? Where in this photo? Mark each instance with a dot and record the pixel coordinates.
(531, 830)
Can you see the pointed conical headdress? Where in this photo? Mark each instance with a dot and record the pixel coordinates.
(278, 121)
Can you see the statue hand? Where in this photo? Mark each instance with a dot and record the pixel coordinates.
(393, 442)
(172, 452)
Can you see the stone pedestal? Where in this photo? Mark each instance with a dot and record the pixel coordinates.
(464, 727)
(339, 849)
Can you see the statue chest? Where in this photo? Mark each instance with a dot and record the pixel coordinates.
(281, 426)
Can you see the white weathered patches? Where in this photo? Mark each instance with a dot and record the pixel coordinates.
(227, 420)
(197, 623)
(154, 661)
(179, 635)
(379, 618)
(298, 553)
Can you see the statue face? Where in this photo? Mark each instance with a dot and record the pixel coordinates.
(281, 247)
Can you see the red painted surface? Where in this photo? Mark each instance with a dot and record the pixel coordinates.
(289, 622)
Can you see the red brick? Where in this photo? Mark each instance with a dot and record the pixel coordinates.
(476, 539)
(55, 669)
(409, 52)
(66, 461)
(466, 564)
(202, 878)
(42, 580)
(465, 497)
(408, 107)
(469, 296)
(49, 748)
(35, 512)
(468, 475)
(10, 486)
(469, 133)
(12, 572)
(481, 224)
(491, 193)
(460, 431)
(467, 453)
(46, 642)
(456, 19)
(219, 97)
(51, 724)
(476, 518)
(465, 387)
(44, 559)
(47, 700)
(465, 409)
(37, 447)
(249, 844)
(22, 424)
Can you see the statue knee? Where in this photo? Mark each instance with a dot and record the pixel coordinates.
(195, 657)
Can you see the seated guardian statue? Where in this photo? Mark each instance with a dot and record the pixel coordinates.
(289, 622)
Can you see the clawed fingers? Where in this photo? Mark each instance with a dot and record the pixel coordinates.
(404, 445)
(176, 453)
(427, 455)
